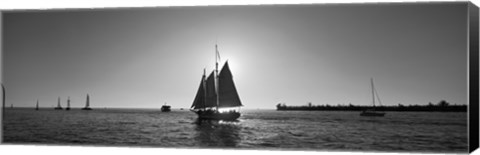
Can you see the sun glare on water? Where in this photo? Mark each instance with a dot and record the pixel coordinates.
(222, 110)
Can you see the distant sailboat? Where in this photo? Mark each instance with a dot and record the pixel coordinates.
(59, 107)
(11, 106)
(36, 108)
(166, 108)
(372, 112)
(3, 97)
(87, 105)
(68, 104)
(215, 92)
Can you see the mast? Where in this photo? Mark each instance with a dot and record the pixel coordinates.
(204, 84)
(216, 74)
(373, 92)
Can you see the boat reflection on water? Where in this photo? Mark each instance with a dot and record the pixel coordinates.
(211, 133)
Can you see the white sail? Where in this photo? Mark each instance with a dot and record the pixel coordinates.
(228, 96)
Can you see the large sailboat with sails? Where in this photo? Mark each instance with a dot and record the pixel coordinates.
(217, 97)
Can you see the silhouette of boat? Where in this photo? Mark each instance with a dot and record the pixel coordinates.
(59, 107)
(217, 97)
(87, 104)
(68, 104)
(3, 96)
(165, 108)
(372, 112)
(36, 107)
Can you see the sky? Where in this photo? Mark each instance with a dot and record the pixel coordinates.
(294, 54)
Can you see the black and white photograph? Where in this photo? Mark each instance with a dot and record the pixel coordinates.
(373, 77)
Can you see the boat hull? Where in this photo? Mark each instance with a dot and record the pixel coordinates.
(165, 109)
(86, 108)
(226, 116)
(58, 108)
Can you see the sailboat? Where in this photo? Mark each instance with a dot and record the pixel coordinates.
(372, 112)
(87, 105)
(36, 108)
(59, 107)
(217, 97)
(3, 97)
(68, 104)
(165, 108)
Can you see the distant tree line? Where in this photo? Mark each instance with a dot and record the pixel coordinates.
(442, 106)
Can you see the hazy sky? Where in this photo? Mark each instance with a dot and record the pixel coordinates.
(324, 54)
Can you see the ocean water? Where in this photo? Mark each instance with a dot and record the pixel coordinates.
(256, 129)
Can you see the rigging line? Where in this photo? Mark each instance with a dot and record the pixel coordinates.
(216, 78)
(378, 97)
(204, 87)
(217, 52)
(373, 92)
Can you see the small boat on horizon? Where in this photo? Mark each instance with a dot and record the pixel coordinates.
(59, 107)
(165, 108)
(372, 112)
(217, 98)
(87, 104)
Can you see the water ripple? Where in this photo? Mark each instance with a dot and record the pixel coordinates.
(263, 129)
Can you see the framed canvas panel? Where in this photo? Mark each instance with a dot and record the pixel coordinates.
(288, 78)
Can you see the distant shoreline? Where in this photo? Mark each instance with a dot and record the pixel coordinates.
(421, 108)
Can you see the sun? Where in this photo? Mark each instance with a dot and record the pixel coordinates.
(234, 62)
